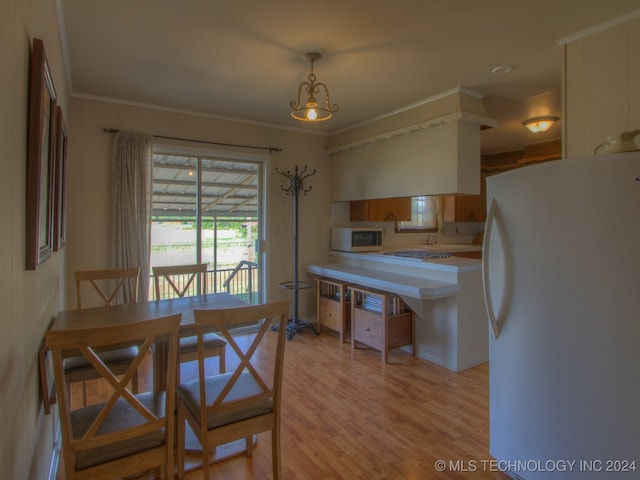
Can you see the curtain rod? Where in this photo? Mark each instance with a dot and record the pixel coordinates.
(271, 149)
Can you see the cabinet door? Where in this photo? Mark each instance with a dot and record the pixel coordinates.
(358, 210)
(465, 208)
(381, 210)
(468, 208)
(390, 209)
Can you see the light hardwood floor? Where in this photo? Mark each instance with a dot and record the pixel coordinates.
(345, 416)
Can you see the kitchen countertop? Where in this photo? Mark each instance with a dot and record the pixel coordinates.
(414, 277)
(451, 264)
(401, 284)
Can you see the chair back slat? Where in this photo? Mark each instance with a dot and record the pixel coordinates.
(119, 386)
(111, 285)
(181, 279)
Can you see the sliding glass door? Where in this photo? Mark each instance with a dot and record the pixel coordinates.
(207, 208)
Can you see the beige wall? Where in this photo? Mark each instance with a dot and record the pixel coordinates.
(89, 183)
(601, 86)
(29, 299)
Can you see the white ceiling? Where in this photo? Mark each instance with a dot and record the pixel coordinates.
(242, 58)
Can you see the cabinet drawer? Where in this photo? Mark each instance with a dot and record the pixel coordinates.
(330, 314)
(367, 328)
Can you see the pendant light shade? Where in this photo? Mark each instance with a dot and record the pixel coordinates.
(307, 108)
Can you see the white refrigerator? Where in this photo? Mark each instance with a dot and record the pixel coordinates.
(561, 270)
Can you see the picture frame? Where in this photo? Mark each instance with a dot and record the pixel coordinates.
(60, 183)
(40, 159)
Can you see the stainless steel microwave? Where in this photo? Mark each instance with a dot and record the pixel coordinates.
(356, 239)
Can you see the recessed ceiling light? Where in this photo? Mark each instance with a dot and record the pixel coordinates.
(503, 69)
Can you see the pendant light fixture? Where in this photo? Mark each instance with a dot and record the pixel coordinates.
(307, 108)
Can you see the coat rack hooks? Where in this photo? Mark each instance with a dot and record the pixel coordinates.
(295, 188)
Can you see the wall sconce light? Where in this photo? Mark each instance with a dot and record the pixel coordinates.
(309, 110)
(540, 124)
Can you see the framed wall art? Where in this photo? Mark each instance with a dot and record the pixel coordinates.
(60, 184)
(40, 159)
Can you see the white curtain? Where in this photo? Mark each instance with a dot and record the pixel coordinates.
(131, 206)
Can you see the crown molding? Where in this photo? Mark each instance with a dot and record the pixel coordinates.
(434, 122)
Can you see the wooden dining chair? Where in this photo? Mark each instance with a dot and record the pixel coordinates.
(108, 288)
(188, 280)
(112, 286)
(222, 408)
(128, 433)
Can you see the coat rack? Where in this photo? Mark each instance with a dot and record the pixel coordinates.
(295, 188)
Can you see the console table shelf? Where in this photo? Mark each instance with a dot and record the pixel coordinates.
(334, 306)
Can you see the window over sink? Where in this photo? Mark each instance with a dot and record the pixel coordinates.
(425, 211)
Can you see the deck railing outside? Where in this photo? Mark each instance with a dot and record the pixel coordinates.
(241, 281)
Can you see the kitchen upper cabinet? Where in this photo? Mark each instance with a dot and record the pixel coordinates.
(381, 210)
(467, 208)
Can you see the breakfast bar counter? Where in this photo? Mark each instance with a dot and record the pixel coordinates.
(401, 284)
(445, 294)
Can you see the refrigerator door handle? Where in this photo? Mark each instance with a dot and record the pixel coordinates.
(488, 301)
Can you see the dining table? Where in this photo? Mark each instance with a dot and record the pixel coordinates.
(132, 312)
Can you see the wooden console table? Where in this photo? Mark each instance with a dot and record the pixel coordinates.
(381, 320)
(334, 306)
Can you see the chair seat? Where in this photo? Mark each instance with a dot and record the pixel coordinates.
(245, 385)
(190, 344)
(112, 357)
(123, 415)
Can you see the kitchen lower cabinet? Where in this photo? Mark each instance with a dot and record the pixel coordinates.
(380, 320)
(472, 254)
(334, 306)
